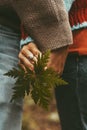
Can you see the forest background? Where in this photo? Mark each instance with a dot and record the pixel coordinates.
(36, 118)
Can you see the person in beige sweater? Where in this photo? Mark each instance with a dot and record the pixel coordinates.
(72, 98)
(46, 21)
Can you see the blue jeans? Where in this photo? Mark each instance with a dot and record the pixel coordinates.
(10, 113)
(72, 98)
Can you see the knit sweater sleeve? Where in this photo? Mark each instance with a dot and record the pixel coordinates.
(46, 21)
(25, 38)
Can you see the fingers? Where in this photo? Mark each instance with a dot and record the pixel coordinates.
(25, 62)
(57, 60)
(34, 50)
(22, 66)
(57, 67)
(28, 55)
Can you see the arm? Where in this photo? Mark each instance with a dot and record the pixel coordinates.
(46, 21)
(51, 30)
(28, 47)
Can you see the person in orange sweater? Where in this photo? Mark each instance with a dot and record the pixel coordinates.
(72, 99)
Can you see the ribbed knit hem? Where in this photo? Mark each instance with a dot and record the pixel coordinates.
(25, 41)
(79, 26)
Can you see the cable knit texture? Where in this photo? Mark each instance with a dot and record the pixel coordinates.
(46, 21)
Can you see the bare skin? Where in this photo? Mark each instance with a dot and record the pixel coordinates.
(56, 60)
(24, 59)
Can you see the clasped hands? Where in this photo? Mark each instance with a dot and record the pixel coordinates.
(29, 53)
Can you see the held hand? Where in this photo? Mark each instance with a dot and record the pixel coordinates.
(28, 55)
(57, 59)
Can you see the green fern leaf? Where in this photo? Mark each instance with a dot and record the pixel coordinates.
(39, 84)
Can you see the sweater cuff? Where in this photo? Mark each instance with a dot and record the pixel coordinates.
(25, 41)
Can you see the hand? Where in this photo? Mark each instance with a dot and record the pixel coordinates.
(57, 59)
(28, 55)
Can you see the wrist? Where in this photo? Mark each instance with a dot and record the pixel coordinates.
(25, 41)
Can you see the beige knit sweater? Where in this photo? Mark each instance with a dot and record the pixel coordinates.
(46, 21)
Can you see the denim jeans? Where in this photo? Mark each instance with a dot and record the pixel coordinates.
(10, 113)
(72, 98)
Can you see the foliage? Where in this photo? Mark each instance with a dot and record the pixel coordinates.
(38, 84)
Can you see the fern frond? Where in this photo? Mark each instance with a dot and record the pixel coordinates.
(39, 84)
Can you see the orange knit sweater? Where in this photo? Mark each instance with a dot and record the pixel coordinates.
(78, 21)
(79, 42)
